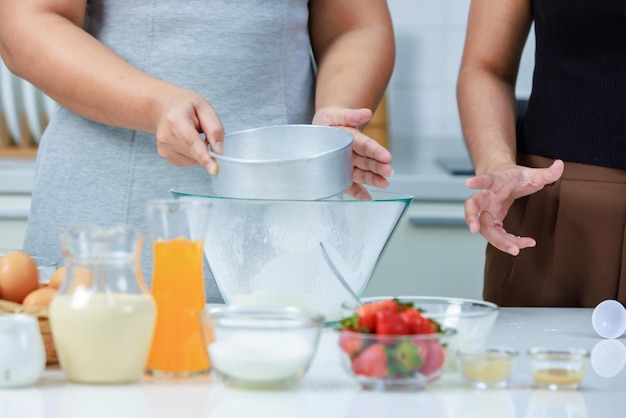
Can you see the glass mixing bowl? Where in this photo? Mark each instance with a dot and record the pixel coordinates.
(267, 252)
(472, 319)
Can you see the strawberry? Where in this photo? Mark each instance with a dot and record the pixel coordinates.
(367, 317)
(413, 319)
(388, 305)
(429, 327)
(371, 362)
(433, 360)
(390, 322)
(350, 342)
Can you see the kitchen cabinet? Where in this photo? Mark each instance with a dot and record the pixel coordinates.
(431, 253)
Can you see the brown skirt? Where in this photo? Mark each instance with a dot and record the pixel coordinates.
(579, 223)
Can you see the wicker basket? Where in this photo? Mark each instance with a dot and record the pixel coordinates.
(41, 313)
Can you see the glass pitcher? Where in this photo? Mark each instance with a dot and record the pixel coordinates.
(178, 228)
(103, 316)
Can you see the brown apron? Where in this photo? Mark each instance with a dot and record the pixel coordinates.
(579, 223)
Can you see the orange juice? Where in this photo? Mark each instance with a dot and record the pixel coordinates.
(178, 346)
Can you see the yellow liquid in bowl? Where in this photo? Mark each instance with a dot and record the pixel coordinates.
(486, 370)
(558, 377)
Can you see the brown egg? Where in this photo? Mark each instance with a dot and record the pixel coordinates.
(57, 277)
(40, 297)
(18, 276)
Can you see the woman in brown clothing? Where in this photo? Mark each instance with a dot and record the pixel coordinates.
(551, 196)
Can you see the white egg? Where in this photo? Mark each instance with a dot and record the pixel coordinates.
(608, 357)
(609, 319)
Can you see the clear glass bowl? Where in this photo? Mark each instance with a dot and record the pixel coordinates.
(557, 368)
(471, 319)
(267, 252)
(260, 347)
(486, 368)
(385, 362)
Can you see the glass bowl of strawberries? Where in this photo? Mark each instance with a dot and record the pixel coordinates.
(390, 344)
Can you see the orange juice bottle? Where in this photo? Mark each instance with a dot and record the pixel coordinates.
(178, 349)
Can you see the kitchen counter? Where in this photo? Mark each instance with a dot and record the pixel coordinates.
(327, 392)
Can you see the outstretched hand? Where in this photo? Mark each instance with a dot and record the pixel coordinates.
(485, 210)
(371, 161)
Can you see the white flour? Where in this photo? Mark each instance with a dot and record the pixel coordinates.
(261, 356)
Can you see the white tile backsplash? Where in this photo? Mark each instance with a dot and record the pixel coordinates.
(452, 53)
(456, 12)
(417, 113)
(417, 13)
(450, 122)
(418, 58)
(430, 36)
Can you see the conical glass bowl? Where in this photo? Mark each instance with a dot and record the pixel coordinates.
(267, 252)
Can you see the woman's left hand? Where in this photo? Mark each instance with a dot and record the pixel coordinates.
(371, 160)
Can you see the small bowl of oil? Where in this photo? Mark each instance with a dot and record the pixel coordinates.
(557, 368)
(486, 368)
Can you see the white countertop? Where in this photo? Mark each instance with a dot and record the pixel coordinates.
(327, 392)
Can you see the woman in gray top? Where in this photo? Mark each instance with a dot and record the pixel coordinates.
(138, 81)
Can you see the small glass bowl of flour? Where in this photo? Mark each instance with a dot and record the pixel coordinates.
(261, 347)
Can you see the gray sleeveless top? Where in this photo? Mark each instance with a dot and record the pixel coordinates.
(249, 58)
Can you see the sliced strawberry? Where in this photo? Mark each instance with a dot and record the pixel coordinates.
(350, 342)
(371, 362)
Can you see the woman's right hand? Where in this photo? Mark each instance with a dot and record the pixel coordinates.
(180, 122)
(485, 210)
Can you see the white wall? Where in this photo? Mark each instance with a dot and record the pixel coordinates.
(429, 38)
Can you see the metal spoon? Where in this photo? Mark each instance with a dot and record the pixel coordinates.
(339, 277)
